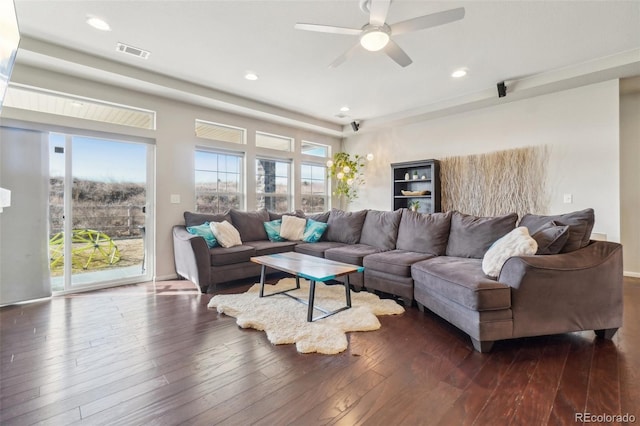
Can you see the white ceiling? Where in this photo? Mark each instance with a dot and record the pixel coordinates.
(213, 43)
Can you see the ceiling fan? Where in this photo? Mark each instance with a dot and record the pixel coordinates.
(376, 35)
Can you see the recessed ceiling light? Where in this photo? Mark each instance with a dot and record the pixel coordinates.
(459, 73)
(250, 75)
(345, 108)
(98, 24)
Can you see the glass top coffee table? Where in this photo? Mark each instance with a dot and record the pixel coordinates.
(309, 267)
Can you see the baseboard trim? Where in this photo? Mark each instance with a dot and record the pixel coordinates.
(631, 274)
(166, 277)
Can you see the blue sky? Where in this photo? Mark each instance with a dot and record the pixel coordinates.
(101, 160)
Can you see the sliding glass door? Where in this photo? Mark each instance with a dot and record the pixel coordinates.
(98, 210)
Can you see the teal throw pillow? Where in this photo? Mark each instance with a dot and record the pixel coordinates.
(313, 231)
(205, 232)
(273, 230)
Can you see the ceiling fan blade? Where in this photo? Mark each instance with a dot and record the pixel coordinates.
(378, 12)
(327, 29)
(397, 54)
(427, 21)
(346, 55)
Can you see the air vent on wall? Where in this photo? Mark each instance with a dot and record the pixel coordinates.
(130, 50)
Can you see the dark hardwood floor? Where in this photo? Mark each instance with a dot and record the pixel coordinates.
(145, 355)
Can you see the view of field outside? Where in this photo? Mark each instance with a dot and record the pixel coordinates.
(108, 196)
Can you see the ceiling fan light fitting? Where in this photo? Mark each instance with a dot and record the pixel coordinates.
(374, 39)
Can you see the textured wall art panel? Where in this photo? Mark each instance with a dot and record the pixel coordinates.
(496, 183)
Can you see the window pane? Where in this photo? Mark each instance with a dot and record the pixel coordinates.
(281, 143)
(315, 149)
(219, 132)
(273, 190)
(35, 99)
(314, 188)
(218, 181)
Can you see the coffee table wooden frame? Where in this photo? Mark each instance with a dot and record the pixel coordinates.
(309, 267)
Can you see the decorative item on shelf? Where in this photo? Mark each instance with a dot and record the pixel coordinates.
(415, 175)
(348, 173)
(414, 193)
(423, 177)
(414, 205)
(406, 176)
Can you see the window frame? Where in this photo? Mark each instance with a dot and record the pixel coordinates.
(273, 135)
(290, 188)
(326, 196)
(241, 175)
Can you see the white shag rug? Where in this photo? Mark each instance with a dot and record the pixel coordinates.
(285, 319)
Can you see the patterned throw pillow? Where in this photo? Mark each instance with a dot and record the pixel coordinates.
(292, 228)
(313, 231)
(273, 230)
(205, 232)
(226, 234)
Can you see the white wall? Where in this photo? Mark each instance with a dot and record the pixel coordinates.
(580, 126)
(175, 143)
(630, 181)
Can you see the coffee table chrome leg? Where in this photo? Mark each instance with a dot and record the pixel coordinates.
(312, 294)
(262, 275)
(346, 288)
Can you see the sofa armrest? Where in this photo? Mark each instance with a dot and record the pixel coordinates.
(192, 257)
(581, 290)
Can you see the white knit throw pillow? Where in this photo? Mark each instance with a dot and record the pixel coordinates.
(292, 227)
(515, 243)
(226, 234)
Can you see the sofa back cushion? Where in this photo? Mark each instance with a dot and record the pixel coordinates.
(580, 226)
(250, 225)
(471, 236)
(424, 233)
(345, 227)
(380, 229)
(195, 219)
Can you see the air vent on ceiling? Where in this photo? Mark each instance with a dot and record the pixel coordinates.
(130, 50)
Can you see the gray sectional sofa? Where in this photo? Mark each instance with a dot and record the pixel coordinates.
(571, 284)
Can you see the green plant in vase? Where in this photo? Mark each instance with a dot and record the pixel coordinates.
(414, 205)
(347, 173)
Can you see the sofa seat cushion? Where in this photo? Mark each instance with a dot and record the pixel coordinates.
(461, 280)
(317, 249)
(269, 247)
(226, 256)
(395, 262)
(352, 254)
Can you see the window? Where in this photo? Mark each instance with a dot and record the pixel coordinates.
(218, 181)
(315, 149)
(314, 188)
(40, 100)
(280, 143)
(220, 132)
(272, 185)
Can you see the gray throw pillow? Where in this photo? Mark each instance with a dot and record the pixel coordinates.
(380, 229)
(551, 238)
(580, 226)
(471, 236)
(345, 227)
(250, 225)
(195, 219)
(424, 233)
